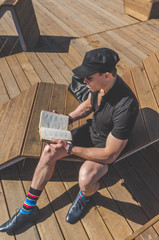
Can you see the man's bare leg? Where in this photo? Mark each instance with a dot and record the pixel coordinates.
(89, 175)
(46, 166)
(42, 175)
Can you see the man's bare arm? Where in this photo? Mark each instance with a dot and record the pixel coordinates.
(83, 110)
(106, 155)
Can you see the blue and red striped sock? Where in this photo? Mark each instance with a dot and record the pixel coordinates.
(30, 201)
(81, 195)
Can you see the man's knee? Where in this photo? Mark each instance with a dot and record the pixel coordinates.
(86, 179)
(89, 177)
(48, 154)
(48, 150)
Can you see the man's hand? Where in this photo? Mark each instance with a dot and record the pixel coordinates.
(59, 145)
(54, 111)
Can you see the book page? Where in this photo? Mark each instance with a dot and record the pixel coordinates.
(53, 120)
(48, 133)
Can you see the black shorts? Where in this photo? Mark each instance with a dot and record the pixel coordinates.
(82, 137)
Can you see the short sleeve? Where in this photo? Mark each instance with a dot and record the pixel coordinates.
(124, 117)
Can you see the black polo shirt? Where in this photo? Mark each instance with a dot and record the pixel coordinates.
(116, 113)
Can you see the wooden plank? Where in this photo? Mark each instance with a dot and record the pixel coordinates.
(149, 234)
(153, 26)
(148, 175)
(3, 109)
(156, 227)
(92, 222)
(86, 13)
(56, 75)
(8, 78)
(157, 54)
(21, 123)
(11, 131)
(9, 20)
(28, 68)
(72, 58)
(8, 2)
(8, 29)
(58, 98)
(115, 18)
(137, 188)
(127, 77)
(151, 66)
(14, 194)
(12, 44)
(41, 71)
(81, 45)
(60, 201)
(3, 92)
(4, 216)
(32, 145)
(111, 214)
(147, 101)
(144, 228)
(141, 10)
(69, 18)
(139, 135)
(151, 156)
(137, 9)
(140, 33)
(71, 105)
(134, 40)
(18, 73)
(5, 121)
(130, 209)
(47, 224)
(54, 26)
(61, 65)
(135, 54)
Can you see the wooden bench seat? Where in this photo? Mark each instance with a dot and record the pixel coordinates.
(142, 9)
(25, 21)
(19, 118)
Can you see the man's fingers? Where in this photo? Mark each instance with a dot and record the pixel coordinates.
(55, 141)
(54, 111)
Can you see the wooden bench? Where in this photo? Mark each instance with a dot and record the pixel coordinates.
(25, 21)
(142, 9)
(19, 118)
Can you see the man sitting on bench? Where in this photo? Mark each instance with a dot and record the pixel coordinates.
(100, 141)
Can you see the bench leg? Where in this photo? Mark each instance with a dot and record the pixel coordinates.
(22, 42)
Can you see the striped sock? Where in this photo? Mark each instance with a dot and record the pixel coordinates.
(81, 195)
(30, 201)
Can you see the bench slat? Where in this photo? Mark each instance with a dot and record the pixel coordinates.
(32, 144)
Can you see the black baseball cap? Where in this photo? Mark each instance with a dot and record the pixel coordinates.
(97, 60)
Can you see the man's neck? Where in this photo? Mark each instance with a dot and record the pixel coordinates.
(109, 85)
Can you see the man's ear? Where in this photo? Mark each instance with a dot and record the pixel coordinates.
(107, 75)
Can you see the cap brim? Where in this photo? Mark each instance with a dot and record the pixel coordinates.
(83, 71)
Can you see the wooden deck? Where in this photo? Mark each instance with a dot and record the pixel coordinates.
(129, 195)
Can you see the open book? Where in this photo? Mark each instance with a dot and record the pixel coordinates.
(53, 125)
